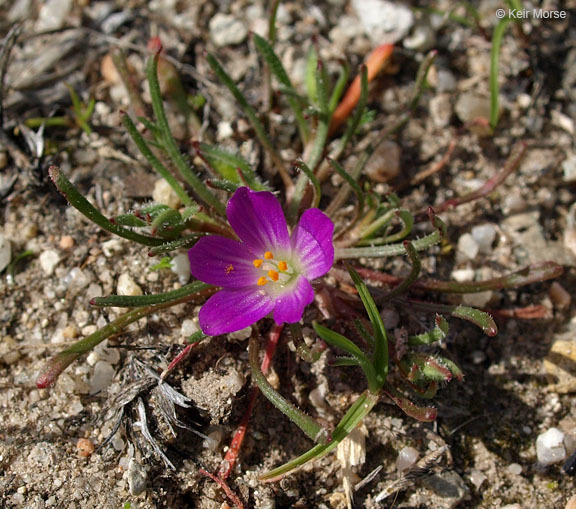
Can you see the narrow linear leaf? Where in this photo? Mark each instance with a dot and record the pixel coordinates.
(88, 210)
(277, 69)
(395, 249)
(351, 182)
(339, 341)
(535, 273)
(494, 64)
(301, 165)
(170, 143)
(154, 161)
(132, 301)
(475, 316)
(57, 364)
(408, 281)
(338, 89)
(380, 356)
(358, 411)
(422, 414)
(306, 423)
(438, 333)
(183, 243)
(227, 165)
(252, 116)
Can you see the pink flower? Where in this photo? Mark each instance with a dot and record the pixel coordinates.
(268, 270)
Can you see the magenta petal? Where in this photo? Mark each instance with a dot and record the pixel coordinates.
(234, 309)
(258, 220)
(222, 262)
(289, 306)
(312, 243)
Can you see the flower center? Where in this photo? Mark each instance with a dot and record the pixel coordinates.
(273, 271)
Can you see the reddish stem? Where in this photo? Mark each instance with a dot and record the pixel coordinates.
(178, 359)
(229, 461)
(511, 164)
(229, 493)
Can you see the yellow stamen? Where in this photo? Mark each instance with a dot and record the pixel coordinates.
(268, 255)
(257, 263)
(273, 275)
(262, 281)
(282, 265)
(229, 269)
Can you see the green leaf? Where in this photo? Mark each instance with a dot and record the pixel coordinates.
(422, 414)
(477, 317)
(277, 69)
(333, 338)
(230, 166)
(395, 249)
(182, 243)
(438, 333)
(169, 142)
(248, 110)
(302, 166)
(306, 423)
(380, 356)
(164, 263)
(494, 64)
(153, 160)
(408, 281)
(130, 301)
(354, 416)
(87, 209)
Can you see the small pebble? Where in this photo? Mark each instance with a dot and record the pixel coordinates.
(515, 468)
(550, 447)
(101, 377)
(49, 259)
(559, 296)
(5, 252)
(467, 247)
(164, 194)
(52, 15)
(484, 235)
(569, 168)
(180, 265)
(470, 106)
(66, 242)
(407, 458)
(445, 81)
(384, 163)
(478, 299)
(127, 286)
(390, 318)
(226, 30)
(477, 478)
(137, 477)
(462, 275)
(189, 327)
(422, 38)
(478, 357)
(441, 110)
(85, 447)
(241, 335)
(383, 21)
(70, 332)
(112, 247)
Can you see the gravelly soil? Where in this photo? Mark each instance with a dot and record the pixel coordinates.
(490, 421)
